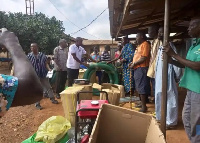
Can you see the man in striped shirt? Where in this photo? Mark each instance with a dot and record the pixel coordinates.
(105, 57)
(39, 63)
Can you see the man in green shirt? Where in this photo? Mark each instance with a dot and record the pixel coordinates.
(190, 81)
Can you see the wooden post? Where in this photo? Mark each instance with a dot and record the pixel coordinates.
(165, 69)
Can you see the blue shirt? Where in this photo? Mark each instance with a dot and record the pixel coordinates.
(39, 63)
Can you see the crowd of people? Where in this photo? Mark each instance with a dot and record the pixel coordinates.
(141, 68)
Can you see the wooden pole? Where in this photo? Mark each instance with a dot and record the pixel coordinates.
(165, 69)
(130, 88)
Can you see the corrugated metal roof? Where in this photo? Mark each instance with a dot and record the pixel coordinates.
(129, 16)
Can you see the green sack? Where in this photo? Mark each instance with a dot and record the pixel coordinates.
(32, 139)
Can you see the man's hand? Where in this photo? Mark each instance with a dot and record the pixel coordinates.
(122, 60)
(131, 65)
(168, 50)
(87, 65)
(6, 37)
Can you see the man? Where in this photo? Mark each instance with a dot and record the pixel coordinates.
(105, 57)
(153, 33)
(76, 51)
(39, 63)
(24, 88)
(140, 65)
(190, 81)
(126, 58)
(60, 58)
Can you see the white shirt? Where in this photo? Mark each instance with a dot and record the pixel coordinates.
(71, 62)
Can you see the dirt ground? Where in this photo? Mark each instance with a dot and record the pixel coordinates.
(19, 123)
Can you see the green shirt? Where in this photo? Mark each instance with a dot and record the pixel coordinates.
(191, 78)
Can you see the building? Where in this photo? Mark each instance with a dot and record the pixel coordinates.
(90, 44)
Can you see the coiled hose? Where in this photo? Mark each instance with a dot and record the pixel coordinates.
(108, 68)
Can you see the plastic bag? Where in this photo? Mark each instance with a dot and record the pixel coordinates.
(53, 129)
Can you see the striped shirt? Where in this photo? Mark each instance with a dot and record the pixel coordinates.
(105, 56)
(39, 63)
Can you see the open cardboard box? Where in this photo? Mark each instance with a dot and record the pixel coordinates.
(118, 125)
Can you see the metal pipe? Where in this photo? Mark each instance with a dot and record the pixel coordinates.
(165, 69)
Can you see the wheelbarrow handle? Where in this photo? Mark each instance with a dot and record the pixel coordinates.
(80, 92)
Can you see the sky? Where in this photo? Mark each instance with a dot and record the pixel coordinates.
(79, 12)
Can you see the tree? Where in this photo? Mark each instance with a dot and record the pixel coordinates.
(37, 28)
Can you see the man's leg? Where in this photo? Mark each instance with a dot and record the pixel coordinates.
(72, 74)
(63, 80)
(58, 79)
(186, 114)
(37, 104)
(47, 89)
(142, 84)
(144, 106)
(70, 78)
(195, 117)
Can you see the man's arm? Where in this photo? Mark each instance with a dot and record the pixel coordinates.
(115, 59)
(56, 58)
(176, 63)
(75, 58)
(89, 57)
(141, 60)
(187, 63)
(193, 65)
(47, 66)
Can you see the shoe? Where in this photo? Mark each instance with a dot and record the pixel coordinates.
(57, 96)
(54, 101)
(138, 104)
(45, 95)
(143, 110)
(38, 106)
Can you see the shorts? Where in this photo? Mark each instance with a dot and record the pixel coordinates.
(142, 81)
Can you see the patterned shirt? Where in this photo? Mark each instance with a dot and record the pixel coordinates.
(8, 87)
(60, 56)
(39, 64)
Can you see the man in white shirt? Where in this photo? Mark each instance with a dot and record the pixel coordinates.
(76, 51)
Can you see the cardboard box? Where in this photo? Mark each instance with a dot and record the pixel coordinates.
(69, 100)
(97, 86)
(85, 96)
(118, 125)
(109, 86)
(113, 96)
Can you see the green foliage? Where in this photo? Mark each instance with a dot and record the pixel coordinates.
(37, 28)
